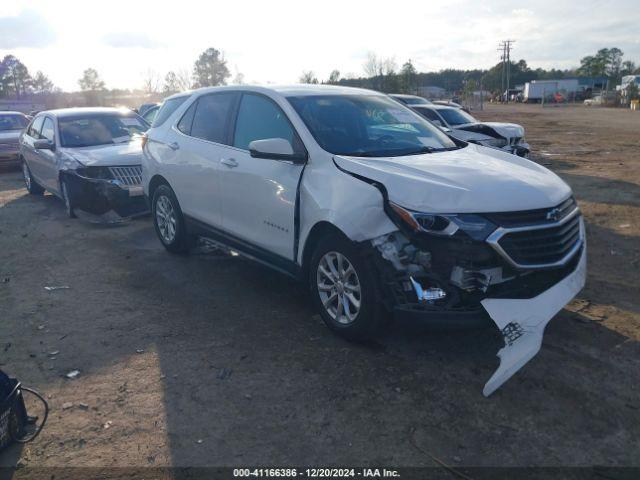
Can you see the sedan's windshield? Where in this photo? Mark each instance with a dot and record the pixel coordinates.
(102, 129)
(368, 126)
(13, 122)
(455, 116)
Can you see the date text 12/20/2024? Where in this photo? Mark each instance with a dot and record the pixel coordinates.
(315, 472)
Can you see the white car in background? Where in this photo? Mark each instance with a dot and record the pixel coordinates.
(461, 125)
(374, 207)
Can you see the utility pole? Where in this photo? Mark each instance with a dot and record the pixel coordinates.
(504, 47)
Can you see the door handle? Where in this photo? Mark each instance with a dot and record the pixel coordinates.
(229, 162)
(174, 146)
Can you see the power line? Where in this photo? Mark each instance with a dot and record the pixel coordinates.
(504, 48)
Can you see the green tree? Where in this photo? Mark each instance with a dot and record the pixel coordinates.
(210, 69)
(607, 62)
(91, 81)
(14, 77)
(409, 74)
(41, 83)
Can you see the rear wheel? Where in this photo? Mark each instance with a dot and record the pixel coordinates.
(169, 221)
(32, 186)
(344, 289)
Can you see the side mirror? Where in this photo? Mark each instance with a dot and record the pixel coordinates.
(275, 149)
(437, 123)
(44, 144)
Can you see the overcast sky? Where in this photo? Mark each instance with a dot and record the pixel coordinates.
(274, 41)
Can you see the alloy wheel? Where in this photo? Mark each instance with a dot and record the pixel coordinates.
(27, 175)
(339, 287)
(166, 219)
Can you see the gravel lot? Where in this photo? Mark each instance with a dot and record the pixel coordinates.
(212, 360)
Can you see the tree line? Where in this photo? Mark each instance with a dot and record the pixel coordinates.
(210, 69)
(378, 73)
(382, 74)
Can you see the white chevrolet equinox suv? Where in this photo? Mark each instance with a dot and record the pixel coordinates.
(377, 209)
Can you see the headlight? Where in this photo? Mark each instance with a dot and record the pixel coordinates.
(475, 226)
(494, 142)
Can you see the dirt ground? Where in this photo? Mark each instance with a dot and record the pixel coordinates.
(212, 360)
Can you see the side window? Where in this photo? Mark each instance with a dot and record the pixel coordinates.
(184, 125)
(260, 118)
(48, 130)
(167, 108)
(430, 114)
(34, 129)
(211, 118)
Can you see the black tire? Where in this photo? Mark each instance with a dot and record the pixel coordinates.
(32, 186)
(370, 315)
(69, 204)
(180, 241)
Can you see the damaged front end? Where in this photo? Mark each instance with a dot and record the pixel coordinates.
(516, 268)
(509, 138)
(112, 192)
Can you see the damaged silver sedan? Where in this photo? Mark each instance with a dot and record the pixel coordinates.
(89, 157)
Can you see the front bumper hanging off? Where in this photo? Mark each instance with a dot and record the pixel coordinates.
(522, 322)
(100, 196)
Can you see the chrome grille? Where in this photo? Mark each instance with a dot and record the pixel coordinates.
(533, 217)
(540, 246)
(129, 176)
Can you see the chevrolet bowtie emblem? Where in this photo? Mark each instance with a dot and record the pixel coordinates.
(553, 214)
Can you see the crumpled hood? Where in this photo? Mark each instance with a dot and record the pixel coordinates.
(10, 136)
(107, 155)
(473, 179)
(469, 136)
(505, 130)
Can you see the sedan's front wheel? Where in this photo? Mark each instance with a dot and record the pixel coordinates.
(32, 186)
(66, 197)
(344, 289)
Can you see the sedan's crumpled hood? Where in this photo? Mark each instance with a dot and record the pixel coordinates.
(10, 136)
(473, 179)
(469, 136)
(505, 130)
(125, 154)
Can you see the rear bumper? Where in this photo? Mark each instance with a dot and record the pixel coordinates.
(99, 196)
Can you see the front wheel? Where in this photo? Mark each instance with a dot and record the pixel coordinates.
(32, 186)
(344, 289)
(169, 221)
(66, 197)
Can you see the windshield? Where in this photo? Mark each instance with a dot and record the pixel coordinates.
(13, 122)
(455, 116)
(87, 131)
(368, 126)
(416, 101)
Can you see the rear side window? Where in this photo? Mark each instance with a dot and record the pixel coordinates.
(34, 129)
(211, 119)
(260, 118)
(430, 114)
(47, 129)
(184, 125)
(167, 108)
